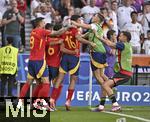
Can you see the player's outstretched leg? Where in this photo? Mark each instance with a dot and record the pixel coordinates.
(108, 88)
(44, 91)
(56, 90)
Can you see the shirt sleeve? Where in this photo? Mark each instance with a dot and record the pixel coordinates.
(48, 40)
(120, 46)
(47, 33)
(75, 31)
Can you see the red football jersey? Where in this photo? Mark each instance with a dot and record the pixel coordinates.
(70, 41)
(53, 54)
(38, 43)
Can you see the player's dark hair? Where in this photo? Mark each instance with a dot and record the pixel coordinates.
(133, 12)
(110, 33)
(127, 34)
(10, 40)
(57, 26)
(38, 20)
(49, 26)
(101, 17)
(75, 17)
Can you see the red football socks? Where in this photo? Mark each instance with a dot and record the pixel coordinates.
(36, 90)
(55, 92)
(44, 92)
(59, 92)
(70, 93)
(24, 90)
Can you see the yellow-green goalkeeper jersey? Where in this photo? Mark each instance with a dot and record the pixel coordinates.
(93, 37)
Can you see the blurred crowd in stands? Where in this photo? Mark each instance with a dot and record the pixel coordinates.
(130, 15)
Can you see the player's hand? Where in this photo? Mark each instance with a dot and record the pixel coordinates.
(108, 42)
(76, 51)
(115, 40)
(74, 23)
(60, 41)
(93, 44)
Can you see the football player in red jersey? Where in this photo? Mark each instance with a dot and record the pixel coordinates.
(53, 55)
(69, 62)
(37, 63)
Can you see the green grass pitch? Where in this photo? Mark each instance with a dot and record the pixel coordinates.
(83, 114)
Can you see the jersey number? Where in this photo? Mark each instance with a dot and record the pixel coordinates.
(71, 44)
(50, 51)
(32, 42)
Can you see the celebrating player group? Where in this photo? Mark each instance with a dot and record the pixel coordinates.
(55, 51)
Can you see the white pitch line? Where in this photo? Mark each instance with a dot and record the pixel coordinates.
(129, 116)
(127, 109)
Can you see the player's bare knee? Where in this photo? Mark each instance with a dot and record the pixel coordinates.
(60, 77)
(38, 81)
(104, 85)
(104, 77)
(59, 80)
(44, 80)
(74, 78)
(29, 80)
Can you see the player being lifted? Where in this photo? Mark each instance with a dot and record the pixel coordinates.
(70, 61)
(37, 63)
(98, 54)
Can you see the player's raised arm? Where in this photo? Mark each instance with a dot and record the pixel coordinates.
(54, 42)
(83, 25)
(82, 40)
(59, 32)
(109, 43)
(85, 35)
